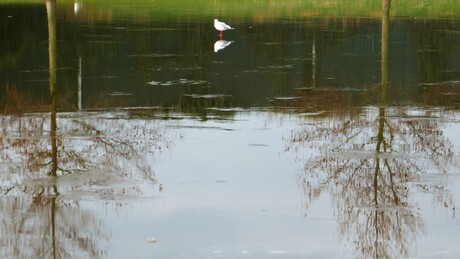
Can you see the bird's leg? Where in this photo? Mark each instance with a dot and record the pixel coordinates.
(221, 34)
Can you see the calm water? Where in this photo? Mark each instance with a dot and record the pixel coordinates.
(128, 132)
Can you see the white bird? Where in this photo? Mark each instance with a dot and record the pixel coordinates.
(221, 26)
(221, 44)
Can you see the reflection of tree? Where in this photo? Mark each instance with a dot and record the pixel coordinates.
(93, 146)
(371, 164)
(98, 156)
(371, 168)
(52, 159)
(101, 156)
(46, 228)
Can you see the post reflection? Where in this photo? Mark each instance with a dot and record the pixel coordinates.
(51, 12)
(370, 162)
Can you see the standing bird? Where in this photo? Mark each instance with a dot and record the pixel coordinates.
(221, 26)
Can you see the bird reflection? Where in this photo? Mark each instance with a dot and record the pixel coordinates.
(76, 7)
(221, 44)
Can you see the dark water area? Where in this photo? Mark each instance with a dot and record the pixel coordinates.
(291, 137)
(126, 63)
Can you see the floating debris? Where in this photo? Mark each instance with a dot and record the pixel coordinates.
(181, 81)
(286, 98)
(119, 94)
(207, 96)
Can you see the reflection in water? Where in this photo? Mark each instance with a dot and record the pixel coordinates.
(79, 89)
(53, 192)
(51, 11)
(66, 148)
(76, 7)
(44, 227)
(280, 58)
(54, 162)
(221, 44)
(371, 163)
(41, 226)
(97, 156)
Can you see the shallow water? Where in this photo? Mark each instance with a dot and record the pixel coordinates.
(297, 137)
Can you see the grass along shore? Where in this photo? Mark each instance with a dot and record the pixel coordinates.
(261, 9)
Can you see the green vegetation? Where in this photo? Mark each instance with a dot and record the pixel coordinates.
(262, 9)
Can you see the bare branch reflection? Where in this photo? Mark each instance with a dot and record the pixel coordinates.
(99, 156)
(52, 160)
(46, 228)
(372, 168)
(371, 162)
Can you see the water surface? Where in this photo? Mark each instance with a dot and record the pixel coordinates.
(133, 131)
